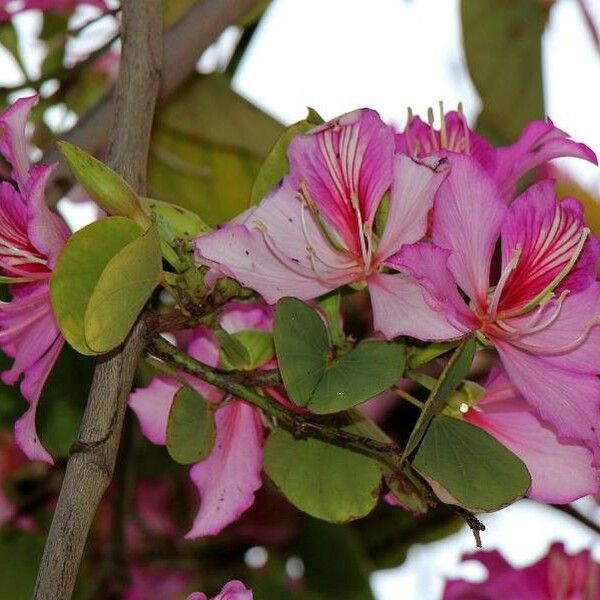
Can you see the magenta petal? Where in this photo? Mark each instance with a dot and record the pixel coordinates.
(13, 144)
(234, 590)
(399, 308)
(151, 406)
(569, 401)
(413, 190)
(345, 161)
(539, 142)
(560, 472)
(229, 477)
(427, 264)
(468, 214)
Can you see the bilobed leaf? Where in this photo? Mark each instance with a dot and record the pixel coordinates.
(502, 42)
(207, 147)
(276, 164)
(108, 189)
(330, 305)
(231, 350)
(124, 287)
(368, 369)
(302, 348)
(454, 372)
(190, 428)
(258, 346)
(80, 265)
(467, 466)
(323, 480)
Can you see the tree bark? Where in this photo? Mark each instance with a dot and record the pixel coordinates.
(91, 464)
(184, 42)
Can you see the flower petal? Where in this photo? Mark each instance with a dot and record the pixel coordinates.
(345, 164)
(229, 477)
(399, 308)
(151, 406)
(468, 214)
(413, 190)
(569, 401)
(560, 472)
(546, 233)
(539, 142)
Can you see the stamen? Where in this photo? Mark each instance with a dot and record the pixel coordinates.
(510, 267)
(558, 279)
(431, 120)
(443, 132)
(467, 139)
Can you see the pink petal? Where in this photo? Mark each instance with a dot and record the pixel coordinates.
(238, 316)
(546, 232)
(47, 231)
(539, 142)
(229, 477)
(413, 190)
(234, 590)
(560, 472)
(468, 214)
(348, 157)
(151, 406)
(13, 144)
(279, 250)
(427, 264)
(399, 308)
(568, 401)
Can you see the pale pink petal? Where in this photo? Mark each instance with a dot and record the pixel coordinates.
(560, 472)
(427, 264)
(468, 214)
(229, 477)
(203, 346)
(47, 231)
(244, 255)
(239, 316)
(13, 144)
(343, 163)
(152, 405)
(539, 142)
(545, 233)
(234, 590)
(399, 308)
(413, 189)
(568, 401)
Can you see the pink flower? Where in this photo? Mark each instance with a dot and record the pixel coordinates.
(229, 477)
(557, 576)
(7, 11)
(31, 238)
(560, 472)
(234, 590)
(540, 141)
(316, 231)
(541, 313)
(152, 583)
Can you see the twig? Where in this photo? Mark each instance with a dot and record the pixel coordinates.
(572, 512)
(184, 42)
(475, 525)
(90, 468)
(300, 425)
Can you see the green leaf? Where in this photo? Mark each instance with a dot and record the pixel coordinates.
(276, 164)
(366, 370)
(231, 350)
(454, 372)
(302, 348)
(183, 224)
(124, 287)
(258, 347)
(190, 428)
(325, 481)
(330, 305)
(208, 145)
(108, 189)
(79, 267)
(467, 466)
(502, 42)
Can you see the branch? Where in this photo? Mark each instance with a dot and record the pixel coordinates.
(91, 464)
(301, 426)
(573, 512)
(184, 42)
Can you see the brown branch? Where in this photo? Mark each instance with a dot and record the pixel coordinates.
(575, 514)
(184, 42)
(91, 464)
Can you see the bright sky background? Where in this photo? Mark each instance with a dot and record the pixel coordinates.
(337, 55)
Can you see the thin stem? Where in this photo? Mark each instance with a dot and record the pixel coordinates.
(406, 396)
(302, 426)
(573, 512)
